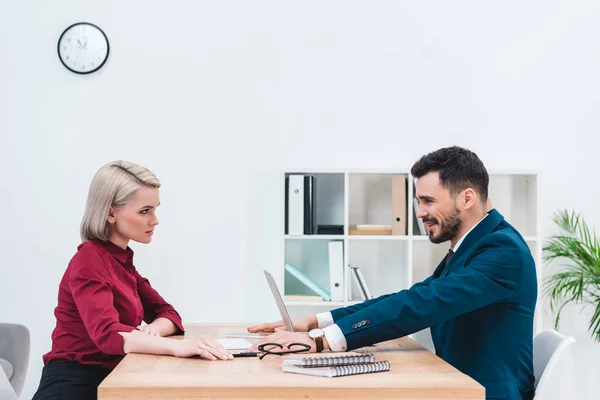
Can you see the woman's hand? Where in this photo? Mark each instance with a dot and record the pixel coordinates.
(150, 329)
(159, 327)
(204, 346)
(303, 324)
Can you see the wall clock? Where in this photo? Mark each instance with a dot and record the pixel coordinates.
(83, 48)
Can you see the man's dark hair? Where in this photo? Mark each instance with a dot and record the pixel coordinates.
(459, 169)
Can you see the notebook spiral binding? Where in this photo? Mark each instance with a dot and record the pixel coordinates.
(329, 361)
(378, 366)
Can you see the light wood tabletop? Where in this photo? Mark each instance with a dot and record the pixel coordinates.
(415, 373)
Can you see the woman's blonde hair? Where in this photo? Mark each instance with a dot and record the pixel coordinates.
(114, 185)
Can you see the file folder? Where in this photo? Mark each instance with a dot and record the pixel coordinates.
(336, 270)
(399, 215)
(299, 205)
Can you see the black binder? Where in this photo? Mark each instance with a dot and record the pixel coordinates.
(309, 205)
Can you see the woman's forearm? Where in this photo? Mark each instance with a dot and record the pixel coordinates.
(165, 326)
(140, 342)
(203, 346)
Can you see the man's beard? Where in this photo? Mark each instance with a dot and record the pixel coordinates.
(448, 229)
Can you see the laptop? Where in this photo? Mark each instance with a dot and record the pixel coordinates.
(285, 317)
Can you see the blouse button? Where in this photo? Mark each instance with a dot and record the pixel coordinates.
(135, 294)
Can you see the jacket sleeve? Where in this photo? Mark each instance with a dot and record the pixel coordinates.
(426, 282)
(91, 291)
(493, 275)
(339, 313)
(154, 305)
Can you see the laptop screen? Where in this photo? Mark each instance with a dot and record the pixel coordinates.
(279, 301)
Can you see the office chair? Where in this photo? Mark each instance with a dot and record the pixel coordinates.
(548, 350)
(14, 359)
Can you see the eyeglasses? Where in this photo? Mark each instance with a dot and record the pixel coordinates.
(270, 349)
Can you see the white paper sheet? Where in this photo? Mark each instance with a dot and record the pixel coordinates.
(249, 335)
(235, 344)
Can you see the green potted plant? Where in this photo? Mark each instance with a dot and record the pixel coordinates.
(578, 280)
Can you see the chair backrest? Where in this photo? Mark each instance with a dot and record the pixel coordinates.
(548, 349)
(15, 347)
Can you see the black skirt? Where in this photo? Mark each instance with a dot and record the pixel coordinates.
(70, 380)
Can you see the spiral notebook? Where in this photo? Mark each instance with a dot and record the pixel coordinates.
(333, 366)
(331, 361)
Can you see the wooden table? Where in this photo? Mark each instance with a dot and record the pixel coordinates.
(415, 374)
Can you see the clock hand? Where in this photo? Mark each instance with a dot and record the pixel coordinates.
(79, 43)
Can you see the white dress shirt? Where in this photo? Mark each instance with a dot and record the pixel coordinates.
(333, 333)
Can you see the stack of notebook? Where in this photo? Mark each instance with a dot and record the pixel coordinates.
(339, 365)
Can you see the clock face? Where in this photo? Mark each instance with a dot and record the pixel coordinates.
(83, 48)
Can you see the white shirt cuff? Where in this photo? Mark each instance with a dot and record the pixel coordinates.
(335, 337)
(324, 319)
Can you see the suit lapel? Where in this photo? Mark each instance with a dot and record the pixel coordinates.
(487, 226)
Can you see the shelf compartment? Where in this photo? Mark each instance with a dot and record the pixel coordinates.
(384, 266)
(370, 200)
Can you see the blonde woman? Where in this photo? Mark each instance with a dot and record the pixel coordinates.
(102, 299)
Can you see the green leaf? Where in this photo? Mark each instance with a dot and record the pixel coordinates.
(578, 281)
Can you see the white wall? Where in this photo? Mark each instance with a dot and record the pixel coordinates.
(217, 96)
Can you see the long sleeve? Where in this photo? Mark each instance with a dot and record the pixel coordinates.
(426, 282)
(94, 300)
(342, 312)
(324, 319)
(333, 333)
(490, 277)
(154, 305)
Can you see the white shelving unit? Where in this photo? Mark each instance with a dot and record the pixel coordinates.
(390, 263)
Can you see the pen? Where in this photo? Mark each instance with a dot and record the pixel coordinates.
(250, 354)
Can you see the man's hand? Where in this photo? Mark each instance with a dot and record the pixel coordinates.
(285, 338)
(303, 324)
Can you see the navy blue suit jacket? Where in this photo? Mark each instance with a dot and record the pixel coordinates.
(479, 307)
